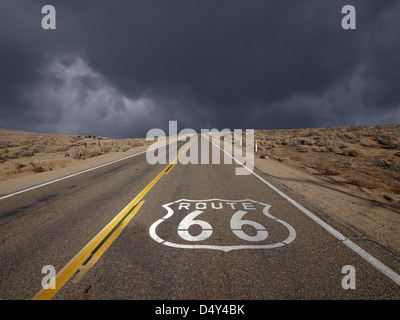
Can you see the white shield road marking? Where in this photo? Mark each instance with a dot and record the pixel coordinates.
(239, 210)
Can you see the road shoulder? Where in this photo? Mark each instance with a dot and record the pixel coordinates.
(24, 181)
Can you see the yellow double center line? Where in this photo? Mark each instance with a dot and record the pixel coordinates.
(89, 254)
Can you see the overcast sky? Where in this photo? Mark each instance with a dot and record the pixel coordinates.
(121, 68)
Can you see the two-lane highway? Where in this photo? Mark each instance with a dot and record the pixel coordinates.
(193, 231)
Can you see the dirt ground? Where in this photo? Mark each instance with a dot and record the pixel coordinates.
(28, 159)
(353, 173)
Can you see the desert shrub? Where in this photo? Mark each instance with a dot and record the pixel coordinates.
(91, 152)
(105, 149)
(27, 153)
(343, 145)
(348, 136)
(367, 145)
(323, 165)
(352, 152)
(38, 147)
(82, 152)
(18, 165)
(388, 141)
(75, 152)
(329, 172)
(50, 149)
(332, 148)
(138, 143)
(36, 168)
(361, 181)
(308, 142)
(269, 145)
(308, 133)
(395, 163)
(8, 144)
(14, 154)
(63, 148)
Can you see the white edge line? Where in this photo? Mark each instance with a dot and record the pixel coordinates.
(75, 174)
(350, 244)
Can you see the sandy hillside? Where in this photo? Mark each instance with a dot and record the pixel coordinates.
(366, 157)
(353, 173)
(27, 159)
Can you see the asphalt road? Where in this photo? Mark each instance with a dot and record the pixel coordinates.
(197, 232)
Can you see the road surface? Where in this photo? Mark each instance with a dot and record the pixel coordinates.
(131, 230)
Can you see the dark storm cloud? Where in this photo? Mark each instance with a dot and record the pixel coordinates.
(120, 68)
